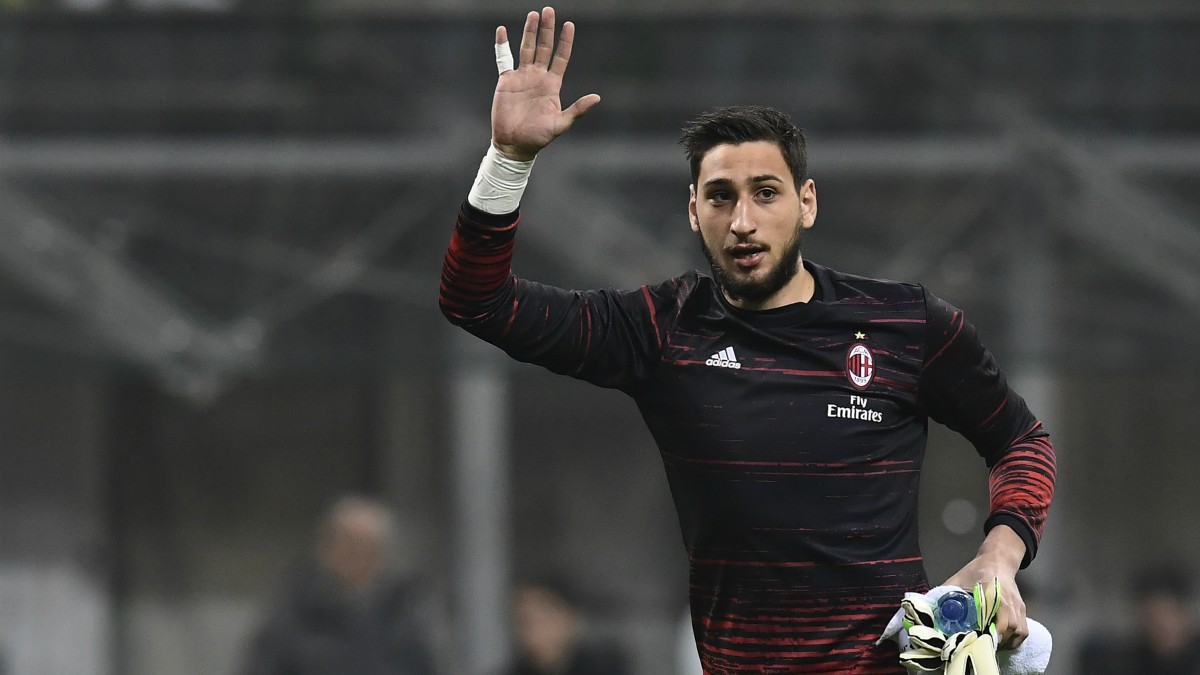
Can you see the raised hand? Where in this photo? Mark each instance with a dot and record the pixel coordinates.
(526, 111)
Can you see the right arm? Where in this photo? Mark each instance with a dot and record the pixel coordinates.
(608, 338)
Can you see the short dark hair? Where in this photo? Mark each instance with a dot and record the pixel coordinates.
(743, 124)
(1173, 578)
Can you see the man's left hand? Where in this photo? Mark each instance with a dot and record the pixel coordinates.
(999, 558)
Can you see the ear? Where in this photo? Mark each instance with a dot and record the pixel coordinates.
(808, 204)
(692, 208)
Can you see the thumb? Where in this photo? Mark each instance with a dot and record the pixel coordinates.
(581, 107)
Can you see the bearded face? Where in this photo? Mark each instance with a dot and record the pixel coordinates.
(750, 217)
(749, 288)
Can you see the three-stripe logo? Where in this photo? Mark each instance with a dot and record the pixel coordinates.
(724, 359)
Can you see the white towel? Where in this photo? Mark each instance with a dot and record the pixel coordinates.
(1031, 658)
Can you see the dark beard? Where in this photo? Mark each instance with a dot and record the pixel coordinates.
(757, 291)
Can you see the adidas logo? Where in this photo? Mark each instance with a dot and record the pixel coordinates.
(724, 358)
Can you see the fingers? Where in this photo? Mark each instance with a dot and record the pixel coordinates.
(1017, 632)
(545, 39)
(563, 55)
(537, 42)
(504, 57)
(1013, 641)
(1012, 625)
(529, 39)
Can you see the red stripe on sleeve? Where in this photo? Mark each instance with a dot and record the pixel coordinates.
(1021, 483)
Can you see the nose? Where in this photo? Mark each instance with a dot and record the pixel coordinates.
(743, 218)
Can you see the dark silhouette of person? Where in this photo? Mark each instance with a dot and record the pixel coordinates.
(343, 612)
(552, 637)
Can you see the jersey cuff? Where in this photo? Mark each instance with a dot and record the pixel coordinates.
(492, 221)
(1020, 527)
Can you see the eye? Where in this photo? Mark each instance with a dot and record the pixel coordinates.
(767, 193)
(719, 197)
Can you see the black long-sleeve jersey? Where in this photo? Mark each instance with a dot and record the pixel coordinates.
(792, 438)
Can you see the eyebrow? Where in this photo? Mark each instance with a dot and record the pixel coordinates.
(764, 178)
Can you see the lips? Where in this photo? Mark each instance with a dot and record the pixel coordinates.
(747, 256)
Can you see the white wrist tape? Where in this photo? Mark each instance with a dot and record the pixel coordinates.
(500, 183)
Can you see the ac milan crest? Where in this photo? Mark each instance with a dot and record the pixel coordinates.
(860, 366)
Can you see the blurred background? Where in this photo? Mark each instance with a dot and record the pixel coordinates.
(221, 229)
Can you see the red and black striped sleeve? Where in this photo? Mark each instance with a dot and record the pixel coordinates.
(609, 338)
(962, 387)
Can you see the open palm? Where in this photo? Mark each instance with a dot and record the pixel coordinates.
(526, 111)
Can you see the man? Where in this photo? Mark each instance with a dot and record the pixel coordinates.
(551, 636)
(1161, 638)
(789, 401)
(345, 613)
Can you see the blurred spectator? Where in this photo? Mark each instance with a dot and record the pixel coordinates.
(550, 634)
(344, 611)
(1161, 638)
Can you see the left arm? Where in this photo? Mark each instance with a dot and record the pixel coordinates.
(962, 387)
